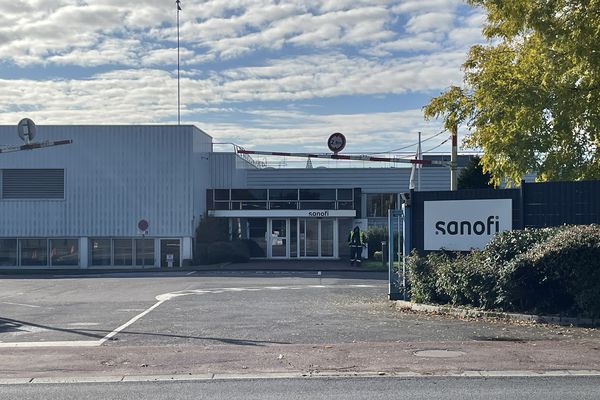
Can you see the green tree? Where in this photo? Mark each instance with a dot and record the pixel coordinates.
(473, 177)
(531, 94)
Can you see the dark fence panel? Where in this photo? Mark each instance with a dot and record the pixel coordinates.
(557, 203)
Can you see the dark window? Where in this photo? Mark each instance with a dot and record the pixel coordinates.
(100, 250)
(144, 252)
(317, 205)
(284, 205)
(317, 194)
(254, 205)
(221, 205)
(345, 205)
(33, 184)
(8, 252)
(123, 249)
(378, 204)
(248, 194)
(64, 252)
(283, 194)
(34, 252)
(344, 194)
(221, 194)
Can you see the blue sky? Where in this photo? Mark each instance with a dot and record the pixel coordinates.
(265, 74)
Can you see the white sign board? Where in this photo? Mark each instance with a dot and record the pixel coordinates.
(464, 224)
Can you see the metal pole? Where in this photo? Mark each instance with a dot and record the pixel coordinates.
(391, 279)
(420, 157)
(454, 159)
(399, 230)
(143, 250)
(178, 74)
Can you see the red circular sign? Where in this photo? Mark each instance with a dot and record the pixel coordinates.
(143, 225)
(336, 142)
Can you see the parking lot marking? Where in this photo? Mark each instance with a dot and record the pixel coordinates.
(160, 300)
(20, 304)
(131, 321)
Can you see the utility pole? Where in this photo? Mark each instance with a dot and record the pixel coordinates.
(454, 159)
(178, 75)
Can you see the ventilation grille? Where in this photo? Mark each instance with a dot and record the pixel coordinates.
(33, 184)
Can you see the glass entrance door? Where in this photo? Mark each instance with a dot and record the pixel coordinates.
(316, 238)
(279, 238)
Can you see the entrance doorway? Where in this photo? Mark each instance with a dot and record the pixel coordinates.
(279, 238)
(302, 238)
(170, 250)
(317, 238)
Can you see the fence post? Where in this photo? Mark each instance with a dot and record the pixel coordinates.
(522, 204)
(406, 243)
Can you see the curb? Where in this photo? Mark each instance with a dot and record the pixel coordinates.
(465, 312)
(297, 375)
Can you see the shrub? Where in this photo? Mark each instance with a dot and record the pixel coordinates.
(559, 275)
(423, 276)
(550, 270)
(235, 251)
(375, 235)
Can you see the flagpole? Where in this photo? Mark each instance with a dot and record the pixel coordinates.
(178, 73)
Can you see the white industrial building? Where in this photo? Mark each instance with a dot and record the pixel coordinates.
(79, 205)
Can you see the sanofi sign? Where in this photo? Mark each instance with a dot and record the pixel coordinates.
(464, 224)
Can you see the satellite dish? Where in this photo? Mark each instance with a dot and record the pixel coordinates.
(26, 129)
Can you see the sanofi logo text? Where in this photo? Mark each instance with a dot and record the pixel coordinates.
(490, 226)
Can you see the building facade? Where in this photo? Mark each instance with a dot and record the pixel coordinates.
(79, 205)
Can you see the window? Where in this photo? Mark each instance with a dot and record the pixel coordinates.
(144, 252)
(317, 194)
(221, 194)
(378, 204)
(283, 194)
(8, 252)
(248, 194)
(317, 205)
(344, 194)
(64, 252)
(123, 251)
(25, 184)
(101, 250)
(34, 252)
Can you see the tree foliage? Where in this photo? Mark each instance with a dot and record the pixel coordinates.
(531, 95)
(473, 177)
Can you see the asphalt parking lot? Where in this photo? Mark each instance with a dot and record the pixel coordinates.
(250, 308)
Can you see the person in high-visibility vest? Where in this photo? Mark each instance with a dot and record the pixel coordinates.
(356, 240)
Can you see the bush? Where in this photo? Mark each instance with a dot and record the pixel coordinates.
(559, 275)
(550, 270)
(423, 277)
(235, 251)
(375, 235)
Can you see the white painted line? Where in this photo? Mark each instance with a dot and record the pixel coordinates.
(21, 304)
(131, 321)
(64, 343)
(191, 273)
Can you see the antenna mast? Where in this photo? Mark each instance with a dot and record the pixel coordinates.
(178, 73)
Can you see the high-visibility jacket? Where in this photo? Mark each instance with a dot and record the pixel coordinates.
(359, 241)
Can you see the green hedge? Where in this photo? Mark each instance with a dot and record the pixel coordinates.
(550, 270)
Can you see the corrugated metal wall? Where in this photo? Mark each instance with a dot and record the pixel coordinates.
(376, 180)
(228, 170)
(114, 176)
